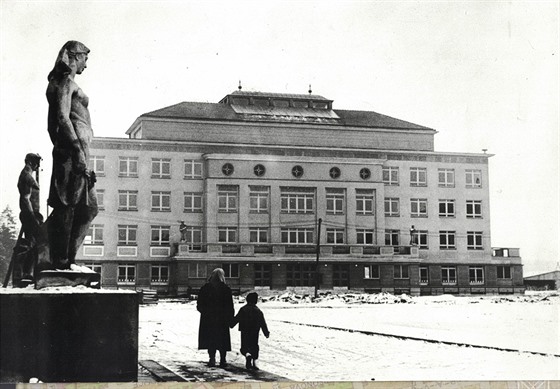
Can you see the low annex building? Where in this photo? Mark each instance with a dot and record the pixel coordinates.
(249, 184)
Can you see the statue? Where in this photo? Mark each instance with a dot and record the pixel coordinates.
(25, 252)
(183, 231)
(72, 194)
(412, 236)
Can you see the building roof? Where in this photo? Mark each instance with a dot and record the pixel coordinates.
(225, 110)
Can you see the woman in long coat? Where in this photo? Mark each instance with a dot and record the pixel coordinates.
(215, 305)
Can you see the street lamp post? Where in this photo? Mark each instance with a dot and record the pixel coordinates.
(319, 221)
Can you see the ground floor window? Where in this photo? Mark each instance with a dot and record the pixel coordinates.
(341, 275)
(371, 271)
(262, 274)
(127, 274)
(160, 274)
(400, 271)
(504, 272)
(476, 275)
(231, 270)
(96, 267)
(197, 270)
(424, 275)
(448, 275)
(300, 275)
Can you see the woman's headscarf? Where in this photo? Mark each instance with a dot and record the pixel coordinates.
(218, 275)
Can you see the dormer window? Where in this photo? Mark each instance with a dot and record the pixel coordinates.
(259, 102)
(281, 103)
(320, 104)
(240, 100)
(301, 104)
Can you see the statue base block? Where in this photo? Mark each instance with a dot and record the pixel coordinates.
(68, 334)
(48, 278)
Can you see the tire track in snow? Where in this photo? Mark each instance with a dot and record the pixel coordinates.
(436, 341)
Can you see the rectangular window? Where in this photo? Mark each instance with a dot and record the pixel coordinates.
(227, 199)
(231, 270)
(97, 164)
(418, 207)
(128, 200)
(424, 275)
(227, 234)
(447, 208)
(100, 193)
(448, 275)
(297, 235)
(341, 275)
(160, 235)
(371, 272)
(193, 238)
(297, 200)
(504, 272)
(474, 240)
(94, 235)
(364, 236)
(263, 274)
(391, 175)
(193, 169)
(128, 166)
(161, 168)
(446, 178)
(473, 178)
(96, 267)
(258, 235)
(400, 271)
(300, 275)
(127, 235)
(391, 206)
(258, 199)
(420, 238)
(365, 202)
(160, 274)
(418, 176)
(476, 275)
(192, 202)
(392, 237)
(335, 201)
(127, 274)
(474, 209)
(335, 235)
(161, 201)
(197, 270)
(447, 240)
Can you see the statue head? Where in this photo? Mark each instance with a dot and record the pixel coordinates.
(72, 56)
(34, 160)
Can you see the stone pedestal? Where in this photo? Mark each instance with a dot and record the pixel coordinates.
(68, 334)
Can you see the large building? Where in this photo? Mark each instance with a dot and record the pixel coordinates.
(276, 188)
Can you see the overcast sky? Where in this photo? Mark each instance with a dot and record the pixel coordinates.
(483, 74)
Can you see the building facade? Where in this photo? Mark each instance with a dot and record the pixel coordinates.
(283, 190)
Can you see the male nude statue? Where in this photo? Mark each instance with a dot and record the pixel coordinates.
(30, 217)
(72, 195)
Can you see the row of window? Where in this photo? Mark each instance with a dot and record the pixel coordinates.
(160, 235)
(304, 274)
(161, 168)
(301, 201)
(418, 176)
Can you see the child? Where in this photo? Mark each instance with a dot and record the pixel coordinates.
(251, 320)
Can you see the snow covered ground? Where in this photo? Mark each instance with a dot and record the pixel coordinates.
(360, 337)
